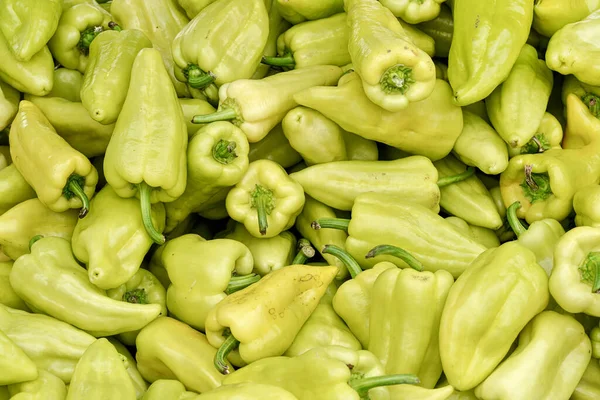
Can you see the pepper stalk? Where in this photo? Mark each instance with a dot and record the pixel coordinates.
(146, 207)
(74, 187)
(345, 257)
(362, 385)
(536, 187)
(396, 252)
(305, 251)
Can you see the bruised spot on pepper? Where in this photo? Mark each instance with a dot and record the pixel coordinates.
(306, 278)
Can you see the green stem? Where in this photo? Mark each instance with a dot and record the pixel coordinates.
(593, 103)
(396, 252)
(536, 187)
(344, 257)
(74, 187)
(114, 26)
(33, 240)
(224, 151)
(590, 270)
(363, 385)
(513, 220)
(537, 144)
(196, 77)
(223, 115)
(305, 251)
(146, 207)
(231, 343)
(396, 79)
(449, 180)
(287, 60)
(331, 223)
(241, 282)
(136, 296)
(86, 38)
(262, 200)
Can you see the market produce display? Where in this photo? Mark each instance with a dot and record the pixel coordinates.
(300, 200)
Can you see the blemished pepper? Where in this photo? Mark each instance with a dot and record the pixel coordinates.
(585, 205)
(551, 15)
(9, 104)
(571, 52)
(483, 236)
(168, 389)
(393, 70)
(274, 147)
(545, 183)
(62, 177)
(479, 322)
(296, 11)
(269, 254)
(328, 373)
(112, 240)
(479, 145)
(52, 282)
(266, 200)
(16, 366)
(247, 391)
(202, 273)
(479, 42)
(237, 100)
(28, 219)
(320, 42)
(8, 297)
(588, 387)
(100, 374)
(146, 154)
(556, 341)
(111, 57)
(548, 135)
(575, 279)
(217, 157)
(414, 12)
(207, 50)
(516, 107)
(467, 199)
(440, 29)
(28, 25)
(77, 28)
(47, 386)
(337, 184)
(14, 189)
(169, 349)
(242, 324)
(540, 237)
(415, 129)
(52, 345)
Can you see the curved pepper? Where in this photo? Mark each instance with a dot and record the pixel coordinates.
(588, 387)
(297, 11)
(441, 29)
(480, 41)
(9, 104)
(548, 136)
(483, 236)
(16, 366)
(247, 391)
(163, 389)
(147, 151)
(47, 387)
(217, 157)
(551, 15)
(62, 177)
(479, 322)
(559, 343)
(267, 200)
(52, 345)
(516, 107)
(415, 130)
(51, 281)
(112, 240)
(275, 147)
(8, 297)
(237, 100)
(14, 189)
(393, 70)
(169, 349)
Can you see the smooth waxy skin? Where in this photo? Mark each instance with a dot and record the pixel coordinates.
(14, 189)
(167, 389)
(46, 387)
(275, 147)
(441, 30)
(297, 11)
(551, 15)
(16, 366)
(585, 205)
(9, 104)
(247, 391)
(414, 12)
(8, 297)
(549, 135)
(588, 387)
(483, 236)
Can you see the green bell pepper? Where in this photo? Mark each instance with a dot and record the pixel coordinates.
(551, 15)
(441, 29)
(47, 386)
(548, 136)
(16, 366)
(486, 308)
(588, 387)
(296, 11)
(67, 84)
(483, 236)
(247, 391)
(9, 104)
(14, 189)
(8, 296)
(275, 147)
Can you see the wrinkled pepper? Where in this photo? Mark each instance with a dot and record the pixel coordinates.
(414, 129)
(14, 189)
(266, 200)
(16, 366)
(551, 15)
(9, 104)
(585, 205)
(112, 240)
(217, 157)
(548, 135)
(393, 70)
(480, 41)
(147, 151)
(559, 343)
(440, 29)
(47, 386)
(51, 281)
(274, 147)
(516, 107)
(483, 236)
(247, 391)
(169, 349)
(237, 100)
(479, 322)
(243, 326)
(62, 177)
(296, 11)
(588, 387)
(8, 297)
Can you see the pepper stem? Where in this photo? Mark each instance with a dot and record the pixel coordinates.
(262, 200)
(86, 38)
(231, 343)
(33, 240)
(136, 296)
(536, 187)
(223, 115)
(344, 257)
(196, 77)
(593, 103)
(305, 251)
(396, 252)
(396, 79)
(513, 220)
(330, 223)
(287, 60)
(590, 270)
(224, 151)
(241, 282)
(146, 207)
(74, 188)
(363, 385)
(449, 180)
(114, 26)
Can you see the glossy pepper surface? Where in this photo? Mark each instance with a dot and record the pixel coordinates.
(551, 15)
(9, 104)
(275, 147)
(167, 389)
(483, 236)
(16, 365)
(14, 189)
(297, 11)
(47, 386)
(549, 135)
(8, 297)
(440, 29)
(414, 12)
(247, 391)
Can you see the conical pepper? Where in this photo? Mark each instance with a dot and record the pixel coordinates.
(414, 12)
(247, 391)
(585, 205)
(588, 387)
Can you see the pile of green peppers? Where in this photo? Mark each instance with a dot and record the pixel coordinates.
(299, 199)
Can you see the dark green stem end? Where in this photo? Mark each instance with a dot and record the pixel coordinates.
(396, 252)
(396, 79)
(536, 187)
(136, 296)
(230, 344)
(86, 38)
(146, 206)
(513, 220)
(224, 151)
(537, 144)
(74, 187)
(33, 240)
(590, 270)
(362, 385)
(263, 201)
(237, 283)
(196, 77)
(350, 263)
(449, 180)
